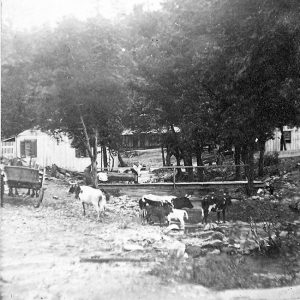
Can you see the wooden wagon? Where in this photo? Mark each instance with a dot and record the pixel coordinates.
(23, 177)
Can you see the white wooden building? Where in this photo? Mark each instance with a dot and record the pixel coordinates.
(8, 148)
(45, 150)
(292, 140)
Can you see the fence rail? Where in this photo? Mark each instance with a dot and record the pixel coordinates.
(207, 173)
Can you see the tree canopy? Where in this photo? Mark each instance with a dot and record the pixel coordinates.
(225, 72)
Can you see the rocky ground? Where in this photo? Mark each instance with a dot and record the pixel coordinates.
(50, 252)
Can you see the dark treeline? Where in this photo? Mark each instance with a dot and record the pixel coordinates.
(226, 72)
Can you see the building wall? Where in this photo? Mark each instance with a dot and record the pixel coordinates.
(292, 147)
(50, 151)
(8, 149)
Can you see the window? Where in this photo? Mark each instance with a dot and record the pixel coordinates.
(28, 148)
(287, 136)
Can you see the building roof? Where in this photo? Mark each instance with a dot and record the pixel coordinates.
(10, 139)
(155, 131)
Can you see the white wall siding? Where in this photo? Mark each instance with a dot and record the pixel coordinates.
(292, 147)
(49, 151)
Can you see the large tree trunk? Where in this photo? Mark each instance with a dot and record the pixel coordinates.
(92, 151)
(163, 155)
(261, 158)
(121, 161)
(249, 152)
(188, 161)
(168, 157)
(178, 160)
(200, 171)
(104, 153)
(237, 162)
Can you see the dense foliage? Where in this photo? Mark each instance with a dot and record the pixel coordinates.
(226, 72)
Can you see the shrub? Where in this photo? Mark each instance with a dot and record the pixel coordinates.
(271, 159)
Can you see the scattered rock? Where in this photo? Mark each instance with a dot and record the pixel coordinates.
(217, 236)
(210, 226)
(213, 244)
(214, 252)
(171, 227)
(132, 247)
(283, 234)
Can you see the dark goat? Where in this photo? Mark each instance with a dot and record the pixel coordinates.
(158, 211)
(215, 203)
(182, 202)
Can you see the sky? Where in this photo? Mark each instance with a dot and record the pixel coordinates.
(28, 14)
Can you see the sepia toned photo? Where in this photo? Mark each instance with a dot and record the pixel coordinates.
(150, 150)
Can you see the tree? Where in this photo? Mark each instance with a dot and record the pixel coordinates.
(84, 92)
(19, 108)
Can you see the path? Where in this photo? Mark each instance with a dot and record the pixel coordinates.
(41, 248)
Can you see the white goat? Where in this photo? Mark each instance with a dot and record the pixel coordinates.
(87, 194)
(178, 214)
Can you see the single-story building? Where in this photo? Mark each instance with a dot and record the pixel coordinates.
(143, 140)
(8, 148)
(292, 141)
(43, 149)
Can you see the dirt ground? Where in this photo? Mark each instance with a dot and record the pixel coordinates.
(41, 253)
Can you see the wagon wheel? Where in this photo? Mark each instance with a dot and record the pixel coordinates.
(41, 196)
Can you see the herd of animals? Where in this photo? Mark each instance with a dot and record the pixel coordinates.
(163, 208)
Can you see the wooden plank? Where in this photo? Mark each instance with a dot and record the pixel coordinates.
(169, 186)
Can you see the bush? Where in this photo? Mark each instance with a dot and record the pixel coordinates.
(227, 272)
(271, 159)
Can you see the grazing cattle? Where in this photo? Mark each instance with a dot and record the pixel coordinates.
(178, 214)
(158, 211)
(87, 194)
(158, 201)
(182, 202)
(177, 202)
(215, 203)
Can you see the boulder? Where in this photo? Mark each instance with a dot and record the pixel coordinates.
(214, 252)
(217, 236)
(210, 226)
(132, 247)
(213, 244)
(172, 227)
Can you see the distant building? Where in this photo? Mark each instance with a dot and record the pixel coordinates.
(292, 140)
(143, 140)
(40, 148)
(8, 147)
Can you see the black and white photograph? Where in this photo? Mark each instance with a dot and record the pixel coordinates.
(150, 150)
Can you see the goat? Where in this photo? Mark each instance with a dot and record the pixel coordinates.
(215, 203)
(178, 214)
(159, 211)
(153, 201)
(87, 194)
(182, 202)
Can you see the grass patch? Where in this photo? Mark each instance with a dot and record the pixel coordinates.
(228, 272)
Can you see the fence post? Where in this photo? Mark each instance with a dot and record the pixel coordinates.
(1, 189)
(174, 177)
